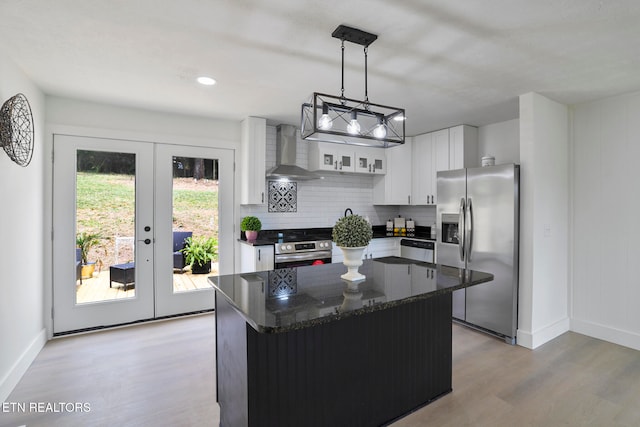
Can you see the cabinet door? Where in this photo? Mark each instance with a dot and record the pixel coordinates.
(440, 159)
(422, 165)
(253, 148)
(330, 157)
(463, 147)
(256, 258)
(264, 258)
(370, 161)
(394, 188)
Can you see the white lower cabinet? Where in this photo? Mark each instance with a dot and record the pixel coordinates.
(256, 258)
(377, 248)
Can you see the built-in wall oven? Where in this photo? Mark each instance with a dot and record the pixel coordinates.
(297, 254)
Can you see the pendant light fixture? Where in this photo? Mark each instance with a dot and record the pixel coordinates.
(338, 119)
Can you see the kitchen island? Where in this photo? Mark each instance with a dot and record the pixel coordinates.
(300, 346)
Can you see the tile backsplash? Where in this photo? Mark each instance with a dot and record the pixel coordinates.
(321, 202)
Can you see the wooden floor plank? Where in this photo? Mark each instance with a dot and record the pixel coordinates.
(163, 374)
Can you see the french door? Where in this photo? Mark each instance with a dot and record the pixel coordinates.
(124, 214)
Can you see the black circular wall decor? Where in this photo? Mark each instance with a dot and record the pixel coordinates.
(16, 129)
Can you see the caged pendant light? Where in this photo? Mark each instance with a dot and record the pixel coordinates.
(338, 119)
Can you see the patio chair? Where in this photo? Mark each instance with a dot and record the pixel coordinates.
(179, 242)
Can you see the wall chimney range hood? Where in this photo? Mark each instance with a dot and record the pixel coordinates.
(286, 148)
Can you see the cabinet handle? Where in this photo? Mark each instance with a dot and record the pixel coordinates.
(340, 165)
(374, 168)
(263, 197)
(336, 165)
(259, 255)
(409, 200)
(369, 168)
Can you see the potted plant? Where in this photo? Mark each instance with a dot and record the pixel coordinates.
(250, 225)
(85, 241)
(352, 234)
(198, 253)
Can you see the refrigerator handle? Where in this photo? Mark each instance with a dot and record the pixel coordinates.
(469, 224)
(461, 228)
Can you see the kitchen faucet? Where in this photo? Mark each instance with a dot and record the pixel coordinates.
(348, 210)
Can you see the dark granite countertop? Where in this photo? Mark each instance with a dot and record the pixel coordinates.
(269, 237)
(295, 298)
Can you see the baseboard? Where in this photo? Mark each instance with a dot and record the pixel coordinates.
(606, 333)
(537, 338)
(11, 379)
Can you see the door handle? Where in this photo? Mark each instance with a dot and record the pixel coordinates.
(461, 228)
(469, 229)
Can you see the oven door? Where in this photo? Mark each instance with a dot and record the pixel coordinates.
(302, 259)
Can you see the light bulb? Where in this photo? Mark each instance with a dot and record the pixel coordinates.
(353, 127)
(380, 131)
(325, 122)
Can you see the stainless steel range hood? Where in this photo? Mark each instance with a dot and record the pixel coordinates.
(286, 147)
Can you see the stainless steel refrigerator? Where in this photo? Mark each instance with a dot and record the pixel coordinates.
(477, 228)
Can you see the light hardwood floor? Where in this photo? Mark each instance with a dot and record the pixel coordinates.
(162, 374)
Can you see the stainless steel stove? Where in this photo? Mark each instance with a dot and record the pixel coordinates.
(292, 253)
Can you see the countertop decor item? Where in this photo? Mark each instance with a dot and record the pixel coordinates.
(342, 120)
(16, 129)
(352, 234)
(251, 225)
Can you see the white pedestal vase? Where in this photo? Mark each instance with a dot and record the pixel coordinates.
(353, 260)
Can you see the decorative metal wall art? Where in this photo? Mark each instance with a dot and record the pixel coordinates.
(16, 129)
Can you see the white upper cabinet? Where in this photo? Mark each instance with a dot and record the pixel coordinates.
(253, 149)
(446, 149)
(371, 160)
(394, 188)
(463, 147)
(332, 157)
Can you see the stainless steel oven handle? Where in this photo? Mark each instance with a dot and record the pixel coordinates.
(303, 256)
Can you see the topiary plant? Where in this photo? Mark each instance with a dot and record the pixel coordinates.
(352, 231)
(250, 223)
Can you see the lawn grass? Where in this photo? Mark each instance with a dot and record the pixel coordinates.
(105, 204)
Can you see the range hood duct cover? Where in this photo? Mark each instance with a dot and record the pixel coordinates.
(286, 148)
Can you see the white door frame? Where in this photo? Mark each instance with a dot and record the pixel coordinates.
(148, 302)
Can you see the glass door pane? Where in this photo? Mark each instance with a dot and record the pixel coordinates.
(195, 222)
(105, 226)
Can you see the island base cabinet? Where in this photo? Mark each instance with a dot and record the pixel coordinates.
(361, 370)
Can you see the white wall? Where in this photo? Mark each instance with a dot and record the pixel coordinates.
(606, 201)
(544, 220)
(500, 140)
(22, 332)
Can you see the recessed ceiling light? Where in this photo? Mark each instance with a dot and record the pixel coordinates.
(207, 81)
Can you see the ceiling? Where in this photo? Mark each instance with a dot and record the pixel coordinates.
(446, 62)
